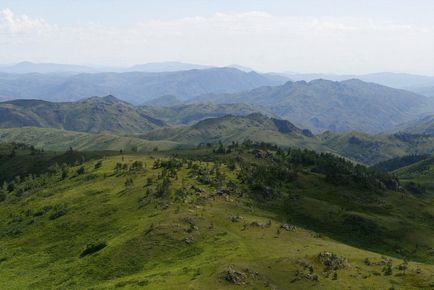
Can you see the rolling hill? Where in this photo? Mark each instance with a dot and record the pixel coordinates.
(158, 222)
(61, 140)
(133, 87)
(345, 106)
(93, 115)
(228, 129)
(371, 149)
(191, 113)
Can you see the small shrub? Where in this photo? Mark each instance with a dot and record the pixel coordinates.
(58, 211)
(93, 248)
(81, 171)
(98, 164)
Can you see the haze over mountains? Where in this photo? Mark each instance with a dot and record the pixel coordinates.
(211, 105)
(338, 106)
(134, 87)
(93, 115)
(107, 123)
(417, 83)
(410, 82)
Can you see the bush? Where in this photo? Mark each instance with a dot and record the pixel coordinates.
(98, 164)
(81, 171)
(58, 211)
(137, 165)
(93, 248)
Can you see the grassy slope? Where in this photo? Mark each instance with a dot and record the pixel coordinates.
(60, 140)
(421, 172)
(371, 149)
(46, 253)
(227, 129)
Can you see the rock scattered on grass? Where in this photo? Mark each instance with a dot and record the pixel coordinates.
(332, 261)
(239, 277)
(288, 227)
(188, 240)
(235, 277)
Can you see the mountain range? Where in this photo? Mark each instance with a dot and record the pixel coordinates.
(416, 83)
(92, 115)
(134, 87)
(107, 123)
(343, 106)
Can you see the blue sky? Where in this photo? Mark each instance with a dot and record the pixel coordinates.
(270, 35)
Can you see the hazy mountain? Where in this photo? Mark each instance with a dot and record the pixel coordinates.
(424, 90)
(424, 125)
(187, 114)
(166, 67)
(416, 83)
(164, 101)
(92, 115)
(255, 127)
(134, 87)
(338, 106)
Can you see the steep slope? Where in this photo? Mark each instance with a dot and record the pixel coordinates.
(338, 106)
(191, 113)
(93, 115)
(227, 129)
(154, 222)
(133, 87)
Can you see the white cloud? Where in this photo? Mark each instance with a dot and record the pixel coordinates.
(256, 39)
(11, 23)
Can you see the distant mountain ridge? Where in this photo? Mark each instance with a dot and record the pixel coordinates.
(191, 113)
(420, 84)
(133, 87)
(93, 115)
(337, 106)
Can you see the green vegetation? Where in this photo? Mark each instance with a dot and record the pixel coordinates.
(255, 127)
(239, 216)
(399, 162)
(372, 149)
(61, 140)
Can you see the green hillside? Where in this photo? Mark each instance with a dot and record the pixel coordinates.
(158, 222)
(61, 140)
(371, 149)
(255, 127)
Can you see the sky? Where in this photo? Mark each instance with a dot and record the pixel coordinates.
(309, 36)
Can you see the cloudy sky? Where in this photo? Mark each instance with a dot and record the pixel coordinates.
(333, 36)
